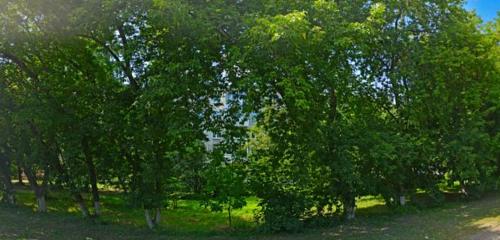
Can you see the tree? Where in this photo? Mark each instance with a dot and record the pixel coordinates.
(225, 188)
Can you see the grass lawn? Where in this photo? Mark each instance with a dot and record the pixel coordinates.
(455, 220)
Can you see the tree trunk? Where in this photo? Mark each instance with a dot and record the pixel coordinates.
(39, 190)
(97, 208)
(76, 195)
(20, 175)
(350, 212)
(319, 210)
(464, 189)
(92, 176)
(350, 208)
(158, 216)
(42, 204)
(149, 219)
(152, 221)
(402, 200)
(9, 195)
(229, 216)
(11, 198)
(81, 203)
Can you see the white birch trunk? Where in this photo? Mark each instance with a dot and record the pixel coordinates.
(158, 216)
(11, 199)
(42, 204)
(149, 219)
(350, 212)
(83, 209)
(402, 200)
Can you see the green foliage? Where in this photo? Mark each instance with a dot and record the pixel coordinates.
(225, 187)
(350, 98)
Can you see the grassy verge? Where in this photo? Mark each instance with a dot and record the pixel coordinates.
(455, 220)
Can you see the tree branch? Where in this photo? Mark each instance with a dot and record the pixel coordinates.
(105, 46)
(127, 58)
(20, 63)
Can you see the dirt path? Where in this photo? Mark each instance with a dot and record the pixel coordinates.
(490, 231)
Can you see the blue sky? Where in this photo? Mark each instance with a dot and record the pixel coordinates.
(487, 9)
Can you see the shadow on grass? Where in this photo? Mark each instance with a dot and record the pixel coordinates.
(188, 219)
(457, 219)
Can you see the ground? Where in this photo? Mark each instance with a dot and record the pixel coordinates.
(479, 219)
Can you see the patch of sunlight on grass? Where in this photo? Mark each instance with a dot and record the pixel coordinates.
(72, 210)
(191, 216)
(371, 206)
(108, 188)
(369, 201)
(247, 213)
(489, 222)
